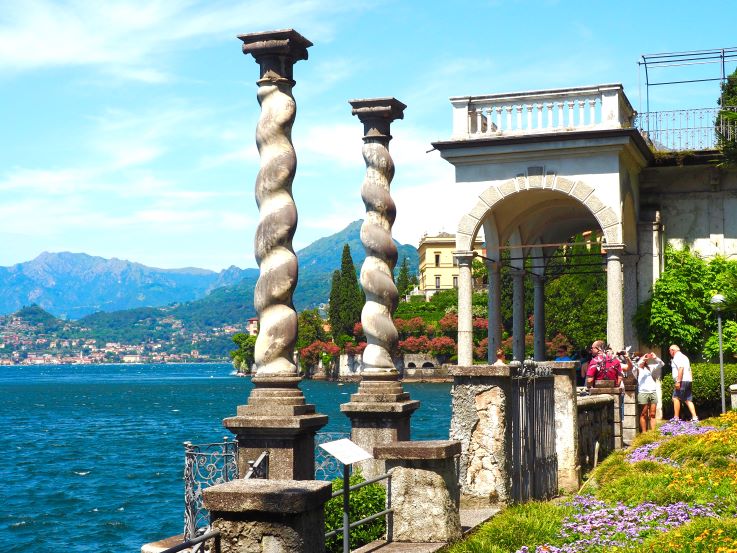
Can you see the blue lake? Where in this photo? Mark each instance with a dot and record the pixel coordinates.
(95, 452)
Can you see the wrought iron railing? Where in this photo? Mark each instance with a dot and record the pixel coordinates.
(205, 465)
(687, 129)
(208, 464)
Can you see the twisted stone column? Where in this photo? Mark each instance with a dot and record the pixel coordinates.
(380, 410)
(277, 417)
(276, 54)
(376, 233)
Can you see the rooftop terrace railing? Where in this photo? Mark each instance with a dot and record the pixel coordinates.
(541, 112)
(687, 129)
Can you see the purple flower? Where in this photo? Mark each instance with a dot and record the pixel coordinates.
(645, 453)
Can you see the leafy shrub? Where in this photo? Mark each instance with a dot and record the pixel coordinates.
(363, 502)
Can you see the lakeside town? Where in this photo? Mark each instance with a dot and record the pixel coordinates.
(25, 343)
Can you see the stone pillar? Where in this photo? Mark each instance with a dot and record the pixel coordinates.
(518, 314)
(630, 420)
(629, 291)
(733, 395)
(495, 309)
(274, 516)
(539, 310)
(465, 314)
(424, 490)
(566, 424)
(615, 301)
(276, 418)
(380, 410)
(479, 422)
(603, 387)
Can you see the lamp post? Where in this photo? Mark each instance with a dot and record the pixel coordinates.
(716, 303)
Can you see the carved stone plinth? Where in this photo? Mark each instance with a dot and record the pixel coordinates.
(380, 412)
(275, 516)
(424, 490)
(277, 419)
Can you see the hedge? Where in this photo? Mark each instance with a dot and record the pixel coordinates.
(707, 393)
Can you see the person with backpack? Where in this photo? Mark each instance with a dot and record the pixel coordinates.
(604, 366)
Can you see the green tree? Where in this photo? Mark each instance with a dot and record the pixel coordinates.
(726, 123)
(346, 299)
(404, 278)
(243, 357)
(310, 328)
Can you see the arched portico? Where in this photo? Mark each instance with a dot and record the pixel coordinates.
(524, 213)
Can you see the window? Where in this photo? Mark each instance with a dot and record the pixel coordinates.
(455, 282)
(437, 282)
(437, 260)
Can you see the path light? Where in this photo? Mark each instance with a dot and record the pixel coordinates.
(717, 303)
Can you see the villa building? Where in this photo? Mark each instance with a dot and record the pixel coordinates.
(438, 267)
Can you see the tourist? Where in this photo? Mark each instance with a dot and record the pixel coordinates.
(682, 383)
(647, 370)
(563, 354)
(501, 358)
(604, 366)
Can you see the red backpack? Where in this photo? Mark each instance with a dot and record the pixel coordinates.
(608, 367)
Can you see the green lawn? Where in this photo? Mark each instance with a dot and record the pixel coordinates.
(674, 490)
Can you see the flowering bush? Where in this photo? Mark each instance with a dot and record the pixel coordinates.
(442, 345)
(481, 350)
(358, 330)
(449, 324)
(413, 344)
(312, 354)
(354, 349)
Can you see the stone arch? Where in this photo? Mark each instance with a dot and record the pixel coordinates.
(536, 178)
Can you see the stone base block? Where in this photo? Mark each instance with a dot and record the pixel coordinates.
(424, 490)
(274, 516)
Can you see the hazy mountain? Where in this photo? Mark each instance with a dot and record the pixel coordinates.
(71, 285)
(78, 285)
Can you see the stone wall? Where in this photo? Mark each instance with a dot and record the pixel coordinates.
(595, 424)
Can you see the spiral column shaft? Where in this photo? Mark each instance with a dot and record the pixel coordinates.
(376, 233)
(276, 54)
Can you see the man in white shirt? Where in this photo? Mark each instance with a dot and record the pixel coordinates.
(682, 379)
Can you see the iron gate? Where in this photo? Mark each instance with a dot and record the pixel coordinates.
(534, 467)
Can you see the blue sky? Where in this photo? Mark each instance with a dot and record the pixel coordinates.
(127, 127)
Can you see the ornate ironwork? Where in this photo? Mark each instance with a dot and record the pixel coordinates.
(327, 467)
(686, 129)
(259, 468)
(205, 465)
(534, 466)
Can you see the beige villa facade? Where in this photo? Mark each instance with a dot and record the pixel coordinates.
(438, 268)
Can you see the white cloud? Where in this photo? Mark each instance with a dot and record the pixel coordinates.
(132, 36)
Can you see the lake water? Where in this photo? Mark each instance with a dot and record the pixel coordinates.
(94, 456)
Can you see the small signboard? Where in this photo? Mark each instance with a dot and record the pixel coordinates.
(346, 451)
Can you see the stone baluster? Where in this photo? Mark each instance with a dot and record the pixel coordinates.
(592, 111)
(539, 109)
(571, 113)
(561, 114)
(479, 120)
(581, 113)
(549, 123)
(519, 117)
(529, 117)
(499, 123)
(509, 117)
(276, 418)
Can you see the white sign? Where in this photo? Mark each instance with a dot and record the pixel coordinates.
(346, 451)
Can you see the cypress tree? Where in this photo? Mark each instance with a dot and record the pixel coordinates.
(335, 308)
(353, 297)
(403, 278)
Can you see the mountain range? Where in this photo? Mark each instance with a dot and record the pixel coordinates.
(77, 285)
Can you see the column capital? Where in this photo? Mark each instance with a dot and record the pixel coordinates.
(377, 114)
(614, 248)
(464, 257)
(276, 52)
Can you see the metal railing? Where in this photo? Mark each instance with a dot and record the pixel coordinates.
(687, 129)
(347, 525)
(208, 464)
(198, 544)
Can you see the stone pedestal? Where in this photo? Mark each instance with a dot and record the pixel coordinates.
(380, 414)
(630, 422)
(274, 516)
(277, 419)
(604, 387)
(424, 490)
(733, 394)
(480, 423)
(566, 423)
